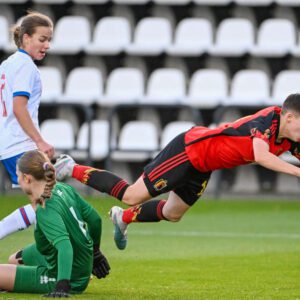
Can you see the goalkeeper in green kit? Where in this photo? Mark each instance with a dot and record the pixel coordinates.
(67, 236)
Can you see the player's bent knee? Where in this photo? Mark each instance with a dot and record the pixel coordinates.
(174, 220)
(16, 258)
(127, 199)
(132, 197)
(12, 259)
(172, 217)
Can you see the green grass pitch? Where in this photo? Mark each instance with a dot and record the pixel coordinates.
(220, 250)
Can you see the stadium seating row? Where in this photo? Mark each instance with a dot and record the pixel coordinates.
(153, 36)
(207, 88)
(169, 2)
(138, 140)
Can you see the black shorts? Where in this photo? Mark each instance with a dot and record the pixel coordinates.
(171, 170)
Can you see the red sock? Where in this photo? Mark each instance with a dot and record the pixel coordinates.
(81, 173)
(150, 211)
(130, 214)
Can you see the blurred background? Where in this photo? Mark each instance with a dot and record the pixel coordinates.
(123, 77)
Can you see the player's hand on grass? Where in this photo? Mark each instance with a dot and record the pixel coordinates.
(61, 290)
(101, 266)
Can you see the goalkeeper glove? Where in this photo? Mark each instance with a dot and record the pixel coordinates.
(101, 266)
(61, 290)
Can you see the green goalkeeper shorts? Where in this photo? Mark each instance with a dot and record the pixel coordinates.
(32, 257)
(33, 279)
(33, 276)
(36, 280)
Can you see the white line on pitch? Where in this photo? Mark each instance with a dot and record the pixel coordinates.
(292, 236)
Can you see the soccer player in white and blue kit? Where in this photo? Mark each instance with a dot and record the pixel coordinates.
(20, 91)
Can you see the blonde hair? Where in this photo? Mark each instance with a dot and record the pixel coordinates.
(28, 25)
(35, 163)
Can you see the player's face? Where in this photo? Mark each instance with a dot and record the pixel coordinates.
(294, 128)
(38, 44)
(24, 182)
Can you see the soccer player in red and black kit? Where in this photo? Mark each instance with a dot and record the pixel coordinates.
(184, 166)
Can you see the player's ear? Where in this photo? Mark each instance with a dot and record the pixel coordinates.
(289, 117)
(25, 39)
(27, 178)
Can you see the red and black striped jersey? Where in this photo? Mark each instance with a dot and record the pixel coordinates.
(230, 144)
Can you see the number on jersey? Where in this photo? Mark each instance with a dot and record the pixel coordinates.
(2, 86)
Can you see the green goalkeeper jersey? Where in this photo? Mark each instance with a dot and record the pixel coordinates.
(65, 232)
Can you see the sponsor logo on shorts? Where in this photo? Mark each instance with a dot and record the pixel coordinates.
(160, 184)
(46, 279)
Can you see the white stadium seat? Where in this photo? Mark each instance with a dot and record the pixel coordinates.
(234, 37)
(84, 85)
(137, 2)
(152, 36)
(193, 37)
(165, 86)
(207, 88)
(52, 84)
(249, 87)
(71, 34)
(4, 32)
(50, 1)
(296, 49)
(90, 1)
(13, 1)
(99, 143)
(9, 46)
(212, 2)
(288, 2)
(172, 2)
(58, 133)
(123, 86)
(137, 142)
(111, 36)
(286, 82)
(254, 2)
(172, 129)
(7, 11)
(276, 38)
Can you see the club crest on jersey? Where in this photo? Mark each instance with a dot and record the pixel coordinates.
(160, 184)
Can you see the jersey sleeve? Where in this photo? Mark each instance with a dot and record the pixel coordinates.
(92, 218)
(263, 135)
(64, 259)
(263, 128)
(24, 80)
(51, 224)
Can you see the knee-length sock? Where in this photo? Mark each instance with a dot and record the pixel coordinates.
(101, 180)
(150, 211)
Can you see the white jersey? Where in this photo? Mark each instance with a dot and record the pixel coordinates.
(19, 76)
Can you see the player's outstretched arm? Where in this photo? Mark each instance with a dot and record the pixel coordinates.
(265, 158)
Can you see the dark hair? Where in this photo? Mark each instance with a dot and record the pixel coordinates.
(292, 102)
(29, 24)
(35, 163)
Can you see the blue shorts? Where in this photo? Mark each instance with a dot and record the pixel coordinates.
(10, 165)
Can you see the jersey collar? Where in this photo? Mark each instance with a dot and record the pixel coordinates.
(23, 51)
